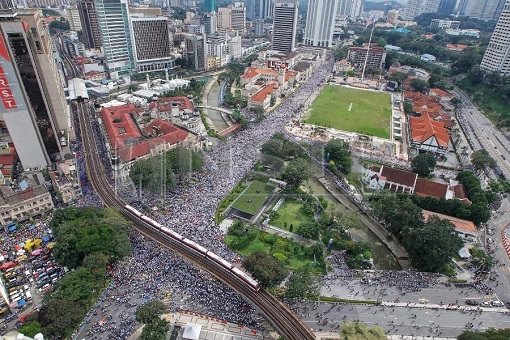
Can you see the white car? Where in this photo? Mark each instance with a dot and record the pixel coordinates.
(497, 304)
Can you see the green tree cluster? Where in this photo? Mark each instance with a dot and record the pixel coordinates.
(82, 232)
(431, 244)
(150, 315)
(265, 268)
(303, 282)
(490, 334)
(87, 240)
(480, 211)
(308, 229)
(158, 172)
(337, 151)
(481, 159)
(278, 145)
(423, 164)
(357, 330)
(296, 172)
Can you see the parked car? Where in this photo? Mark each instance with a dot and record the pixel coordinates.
(471, 302)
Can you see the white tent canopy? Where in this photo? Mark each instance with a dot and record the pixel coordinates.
(192, 331)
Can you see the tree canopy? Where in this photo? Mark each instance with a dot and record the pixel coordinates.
(423, 164)
(265, 268)
(84, 231)
(432, 245)
(338, 151)
(156, 330)
(297, 171)
(481, 159)
(303, 283)
(358, 330)
(490, 334)
(158, 172)
(150, 311)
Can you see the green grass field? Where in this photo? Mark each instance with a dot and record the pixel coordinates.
(369, 114)
(250, 200)
(290, 212)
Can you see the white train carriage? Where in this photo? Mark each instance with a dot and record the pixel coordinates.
(133, 210)
(224, 263)
(172, 234)
(195, 246)
(246, 278)
(151, 222)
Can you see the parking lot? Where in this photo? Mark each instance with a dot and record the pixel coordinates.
(26, 275)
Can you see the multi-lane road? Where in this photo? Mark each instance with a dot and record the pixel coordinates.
(487, 135)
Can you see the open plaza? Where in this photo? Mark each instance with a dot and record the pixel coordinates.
(354, 110)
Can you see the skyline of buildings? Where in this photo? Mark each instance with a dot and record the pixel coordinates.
(415, 8)
(285, 20)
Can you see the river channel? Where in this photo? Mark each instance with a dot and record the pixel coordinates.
(383, 258)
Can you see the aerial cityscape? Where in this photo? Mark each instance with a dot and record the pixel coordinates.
(258, 169)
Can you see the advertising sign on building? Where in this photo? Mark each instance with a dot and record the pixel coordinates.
(6, 75)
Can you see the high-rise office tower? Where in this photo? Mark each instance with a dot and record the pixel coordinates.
(195, 49)
(447, 7)
(238, 18)
(415, 8)
(209, 5)
(320, 22)
(33, 111)
(484, 9)
(497, 54)
(209, 21)
(72, 15)
(114, 27)
(91, 37)
(259, 9)
(151, 42)
(349, 8)
(224, 19)
(285, 19)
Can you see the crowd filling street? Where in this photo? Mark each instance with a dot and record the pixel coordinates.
(153, 272)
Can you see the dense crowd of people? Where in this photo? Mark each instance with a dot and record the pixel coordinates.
(189, 209)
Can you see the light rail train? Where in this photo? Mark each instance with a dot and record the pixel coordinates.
(198, 248)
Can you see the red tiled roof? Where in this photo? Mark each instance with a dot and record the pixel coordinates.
(124, 129)
(428, 188)
(404, 177)
(441, 93)
(164, 132)
(456, 47)
(460, 224)
(262, 94)
(164, 104)
(251, 72)
(423, 128)
(8, 159)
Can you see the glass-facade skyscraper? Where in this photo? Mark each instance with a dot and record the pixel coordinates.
(115, 34)
(209, 6)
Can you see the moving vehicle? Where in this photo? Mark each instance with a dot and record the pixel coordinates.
(195, 246)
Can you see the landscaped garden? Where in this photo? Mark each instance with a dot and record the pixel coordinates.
(289, 215)
(360, 111)
(252, 199)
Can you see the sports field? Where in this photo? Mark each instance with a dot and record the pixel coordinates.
(253, 197)
(353, 110)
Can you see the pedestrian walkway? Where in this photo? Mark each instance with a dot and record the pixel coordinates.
(444, 307)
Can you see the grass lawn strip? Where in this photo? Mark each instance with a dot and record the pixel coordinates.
(290, 212)
(353, 110)
(250, 201)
